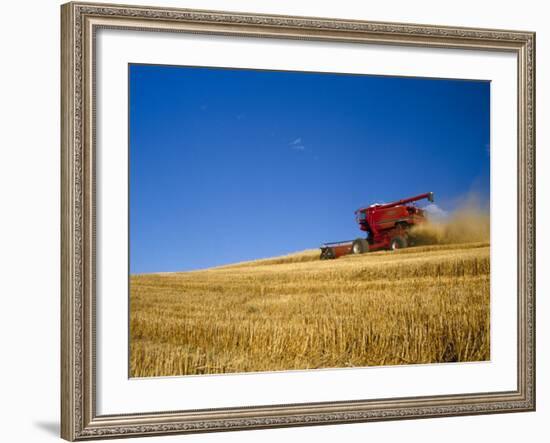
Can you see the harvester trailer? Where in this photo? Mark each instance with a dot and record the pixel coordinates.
(387, 226)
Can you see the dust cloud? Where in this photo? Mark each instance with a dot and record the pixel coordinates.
(469, 223)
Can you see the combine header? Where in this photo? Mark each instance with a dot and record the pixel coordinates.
(387, 227)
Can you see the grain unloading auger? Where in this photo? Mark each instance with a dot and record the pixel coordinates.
(387, 227)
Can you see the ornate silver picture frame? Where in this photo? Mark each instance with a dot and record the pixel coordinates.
(80, 23)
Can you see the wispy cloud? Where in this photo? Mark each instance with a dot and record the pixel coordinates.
(297, 144)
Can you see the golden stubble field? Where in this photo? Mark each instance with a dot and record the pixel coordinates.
(425, 304)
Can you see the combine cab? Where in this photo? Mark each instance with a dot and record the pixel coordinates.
(387, 227)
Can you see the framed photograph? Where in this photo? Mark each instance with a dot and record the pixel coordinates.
(277, 221)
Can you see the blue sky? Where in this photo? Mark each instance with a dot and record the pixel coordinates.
(229, 165)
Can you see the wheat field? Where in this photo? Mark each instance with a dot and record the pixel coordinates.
(425, 304)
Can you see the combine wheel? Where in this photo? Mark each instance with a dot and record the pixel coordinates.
(398, 242)
(359, 246)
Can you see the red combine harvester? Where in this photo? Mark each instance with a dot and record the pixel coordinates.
(387, 227)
